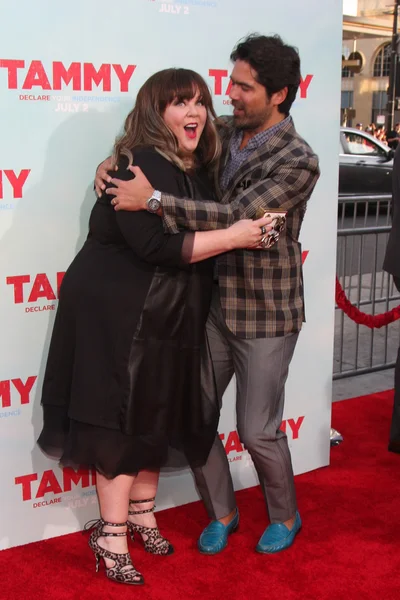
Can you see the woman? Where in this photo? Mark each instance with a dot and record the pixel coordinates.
(123, 385)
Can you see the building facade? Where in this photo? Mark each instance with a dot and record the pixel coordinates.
(367, 33)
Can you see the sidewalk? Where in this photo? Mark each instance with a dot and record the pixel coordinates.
(361, 385)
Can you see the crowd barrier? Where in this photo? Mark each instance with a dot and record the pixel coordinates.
(364, 226)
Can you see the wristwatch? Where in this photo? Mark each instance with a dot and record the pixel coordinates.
(154, 203)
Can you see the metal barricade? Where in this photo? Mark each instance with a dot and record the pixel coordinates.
(364, 225)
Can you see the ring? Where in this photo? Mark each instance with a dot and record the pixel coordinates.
(263, 230)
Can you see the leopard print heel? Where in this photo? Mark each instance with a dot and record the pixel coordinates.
(152, 539)
(122, 571)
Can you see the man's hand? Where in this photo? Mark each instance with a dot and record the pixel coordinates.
(133, 194)
(247, 233)
(102, 176)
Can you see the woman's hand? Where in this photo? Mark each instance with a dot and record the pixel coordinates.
(102, 176)
(248, 234)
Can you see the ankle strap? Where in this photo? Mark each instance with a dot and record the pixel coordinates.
(141, 512)
(100, 523)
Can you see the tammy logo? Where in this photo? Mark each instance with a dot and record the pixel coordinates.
(35, 80)
(232, 443)
(26, 76)
(15, 393)
(292, 427)
(11, 186)
(222, 84)
(29, 290)
(49, 488)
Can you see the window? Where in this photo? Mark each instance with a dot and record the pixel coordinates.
(346, 115)
(346, 72)
(382, 62)
(347, 99)
(379, 105)
(358, 144)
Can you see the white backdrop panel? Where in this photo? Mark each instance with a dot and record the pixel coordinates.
(68, 77)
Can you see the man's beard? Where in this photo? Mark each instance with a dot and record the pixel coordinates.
(249, 122)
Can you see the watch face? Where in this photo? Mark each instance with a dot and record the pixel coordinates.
(153, 204)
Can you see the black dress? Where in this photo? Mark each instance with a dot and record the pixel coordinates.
(129, 380)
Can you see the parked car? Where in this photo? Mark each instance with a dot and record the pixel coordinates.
(365, 164)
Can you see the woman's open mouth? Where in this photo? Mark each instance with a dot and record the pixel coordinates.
(191, 130)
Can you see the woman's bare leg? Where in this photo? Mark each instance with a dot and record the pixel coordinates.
(144, 487)
(113, 497)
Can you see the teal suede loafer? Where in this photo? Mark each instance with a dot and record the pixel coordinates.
(278, 537)
(215, 536)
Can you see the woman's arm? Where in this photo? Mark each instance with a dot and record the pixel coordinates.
(243, 234)
(145, 235)
(144, 232)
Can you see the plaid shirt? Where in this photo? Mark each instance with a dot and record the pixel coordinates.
(261, 290)
(238, 156)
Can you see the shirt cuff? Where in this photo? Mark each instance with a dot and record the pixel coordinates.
(187, 247)
(168, 216)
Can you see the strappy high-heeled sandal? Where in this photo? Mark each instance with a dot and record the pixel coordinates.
(122, 570)
(153, 541)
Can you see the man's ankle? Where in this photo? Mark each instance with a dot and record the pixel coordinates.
(229, 518)
(290, 522)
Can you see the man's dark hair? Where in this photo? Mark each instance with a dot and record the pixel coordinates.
(276, 64)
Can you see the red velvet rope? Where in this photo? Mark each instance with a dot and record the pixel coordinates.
(371, 321)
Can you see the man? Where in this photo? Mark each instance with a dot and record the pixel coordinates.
(359, 126)
(257, 308)
(393, 137)
(391, 264)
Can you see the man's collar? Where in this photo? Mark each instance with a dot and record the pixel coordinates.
(263, 136)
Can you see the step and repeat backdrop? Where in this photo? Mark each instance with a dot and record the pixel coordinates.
(69, 74)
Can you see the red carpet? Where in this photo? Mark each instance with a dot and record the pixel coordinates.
(348, 548)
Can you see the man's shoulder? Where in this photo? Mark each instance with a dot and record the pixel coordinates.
(298, 144)
(294, 149)
(225, 125)
(290, 148)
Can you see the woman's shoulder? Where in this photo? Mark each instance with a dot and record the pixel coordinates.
(148, 159)
(148, 155)
(160, 171)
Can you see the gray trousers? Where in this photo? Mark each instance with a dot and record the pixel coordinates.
(261, 368)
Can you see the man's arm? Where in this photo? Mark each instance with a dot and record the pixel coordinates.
(290, 185)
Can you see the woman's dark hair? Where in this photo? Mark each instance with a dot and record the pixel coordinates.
(276, 64)
(145, 124)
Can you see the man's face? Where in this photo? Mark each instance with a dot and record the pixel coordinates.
(252, 107)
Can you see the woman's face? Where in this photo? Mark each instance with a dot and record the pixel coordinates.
(186, 119)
